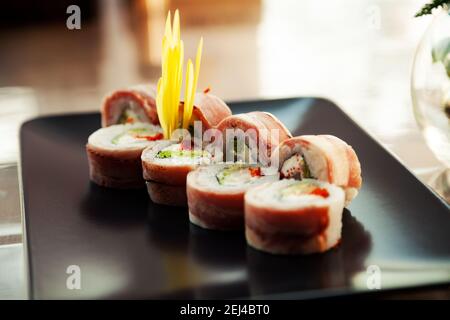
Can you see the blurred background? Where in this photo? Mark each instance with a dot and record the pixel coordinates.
(358, 53)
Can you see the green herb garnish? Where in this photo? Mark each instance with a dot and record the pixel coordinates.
(428, 8)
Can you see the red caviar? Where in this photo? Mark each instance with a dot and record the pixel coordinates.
(320, 192)
(129, 120)
(255, 172)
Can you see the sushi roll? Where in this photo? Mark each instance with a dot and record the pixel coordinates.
(323, 157)
(136, 104)
(260, 129)
(114, 154)
(162, 193)
(294, 217)
(166, 165)
(209, 109)
(216, 193)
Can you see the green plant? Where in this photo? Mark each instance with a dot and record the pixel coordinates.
(428, 8)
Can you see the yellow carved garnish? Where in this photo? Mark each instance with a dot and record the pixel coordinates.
(191, 85)
(169, 85)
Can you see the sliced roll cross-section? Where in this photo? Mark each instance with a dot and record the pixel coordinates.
(114, 154)
(294, 217)
(216, 193)
(135, 104)
(166, 165)
(323, 157)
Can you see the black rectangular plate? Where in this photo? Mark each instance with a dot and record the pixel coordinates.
(128, 247)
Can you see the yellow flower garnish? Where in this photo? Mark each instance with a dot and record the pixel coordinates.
(169, 85)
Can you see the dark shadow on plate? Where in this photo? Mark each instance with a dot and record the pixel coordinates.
(271, 274)
(115, 207)
(168, 227)
(220, 250)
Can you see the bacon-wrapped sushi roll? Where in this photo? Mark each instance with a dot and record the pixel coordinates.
(114, 154)
(323, 157)
(209, 109)
(251, 137)
(294, 217)
(216, 193)
(166, 165)
(136, 104)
